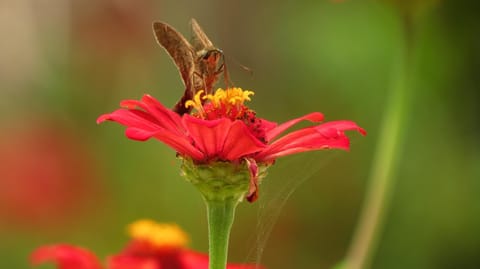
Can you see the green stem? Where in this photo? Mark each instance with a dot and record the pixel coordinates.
(220, 214)
(380, 188)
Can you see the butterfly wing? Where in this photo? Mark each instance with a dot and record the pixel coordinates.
(200, 40)
(182, 54)
(179, 49)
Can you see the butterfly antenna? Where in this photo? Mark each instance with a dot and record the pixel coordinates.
(243, 67)
(226, 75)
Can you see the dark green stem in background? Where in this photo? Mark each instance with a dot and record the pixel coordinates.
(388, 153)
(220, 214)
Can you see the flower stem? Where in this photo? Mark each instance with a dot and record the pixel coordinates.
(387, 155)
(220, 214)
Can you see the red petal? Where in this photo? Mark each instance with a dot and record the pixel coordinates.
(195, 260)
(139, 134)
(131, 118)
(152, 116)
(169, 120)
(324, 136)
(313, 117)
(66, 257)
(341, 125)
(339, 143)
(209, 135)
(240, 142)
(153, 121)
(132, 262)
(166, 118)
(180, 144)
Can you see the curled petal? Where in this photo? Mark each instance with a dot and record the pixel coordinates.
(66, 257)
(339, 126)
(252, 194)
(339, 143)
(313, 117)
(324, 136)
(292, 139)
(131, 118)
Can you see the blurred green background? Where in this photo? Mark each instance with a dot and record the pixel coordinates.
(65, 179)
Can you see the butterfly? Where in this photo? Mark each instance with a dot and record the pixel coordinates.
(199, 62)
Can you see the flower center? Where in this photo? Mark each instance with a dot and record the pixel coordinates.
(158, 234)
(223, 103)
(229, 104)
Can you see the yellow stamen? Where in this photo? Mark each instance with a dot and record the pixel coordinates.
(158, 234)
(226, 99)
(196, 103)
(232, 96)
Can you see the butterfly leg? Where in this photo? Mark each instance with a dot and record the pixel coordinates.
(204, 84)
(226, 76)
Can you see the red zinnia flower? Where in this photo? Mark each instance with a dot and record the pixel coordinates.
(223, 129)
(153, 246)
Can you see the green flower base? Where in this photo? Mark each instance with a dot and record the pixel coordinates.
(223, 186)
(220, 180)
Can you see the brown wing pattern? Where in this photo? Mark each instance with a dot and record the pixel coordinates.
(200, 40)
(177, 47)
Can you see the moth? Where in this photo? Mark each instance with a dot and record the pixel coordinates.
(199, 62)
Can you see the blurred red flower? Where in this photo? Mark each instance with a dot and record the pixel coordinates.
(153, 246)
(47, 177)
(66, 257)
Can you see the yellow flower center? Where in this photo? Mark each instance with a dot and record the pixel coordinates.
(158, 234)
(232, 97)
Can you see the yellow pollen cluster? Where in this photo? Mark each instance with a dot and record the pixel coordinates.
(231, 96)
(158, 234)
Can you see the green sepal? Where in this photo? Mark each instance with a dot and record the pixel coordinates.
(220, 180)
